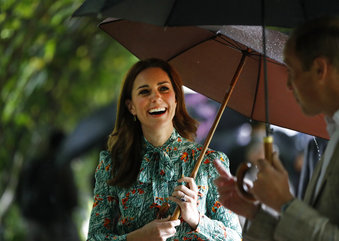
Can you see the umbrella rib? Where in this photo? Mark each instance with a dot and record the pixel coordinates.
(268, 59)
(237, 46)
(234, 45)
(191, 47)
(170, 14)
(256, 87)
(228, 44)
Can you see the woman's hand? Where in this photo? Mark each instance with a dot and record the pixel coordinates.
(157, 230)
(186, 198)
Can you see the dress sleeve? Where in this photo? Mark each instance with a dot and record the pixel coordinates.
(105, 212)
(219, 223)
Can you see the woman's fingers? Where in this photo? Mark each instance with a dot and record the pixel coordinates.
(183, 197)
(169, 228)
(191, 183)
(159, 229)
(188, 193)
(186, 197)
(183, 190)
(169, 223)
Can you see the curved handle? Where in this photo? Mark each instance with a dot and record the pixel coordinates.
(241, 172)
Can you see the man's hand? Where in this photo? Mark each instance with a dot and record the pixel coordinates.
(271, 186)
(230, 196)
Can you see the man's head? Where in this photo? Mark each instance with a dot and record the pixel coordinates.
(315, 38)
(312, 57)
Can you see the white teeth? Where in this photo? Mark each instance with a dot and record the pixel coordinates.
(157, 110)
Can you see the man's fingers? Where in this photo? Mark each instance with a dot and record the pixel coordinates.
(261, 164)
(220, 181)
(220, 168)
(276, 163)
(226, 188)
(223, 181)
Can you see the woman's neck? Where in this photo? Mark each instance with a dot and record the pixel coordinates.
(157, 137)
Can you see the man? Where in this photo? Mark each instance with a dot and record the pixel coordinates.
(312, 58)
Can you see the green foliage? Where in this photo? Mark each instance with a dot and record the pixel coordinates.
(54, 70)
(16, 229)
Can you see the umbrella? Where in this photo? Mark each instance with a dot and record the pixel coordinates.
(286, 13)
(92, 130)
(207, 58)
(212, 60)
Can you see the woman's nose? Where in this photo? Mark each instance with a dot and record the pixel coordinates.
(155, 95)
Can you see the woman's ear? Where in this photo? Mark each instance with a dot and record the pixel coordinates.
(130, 107)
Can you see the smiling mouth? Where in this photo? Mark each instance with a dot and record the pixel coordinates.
(157, 111)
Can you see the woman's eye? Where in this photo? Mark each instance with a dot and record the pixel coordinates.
(164, 88)
(143, 92)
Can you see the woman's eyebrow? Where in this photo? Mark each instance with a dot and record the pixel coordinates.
(142, 86)
(163, 82)
(160, 83)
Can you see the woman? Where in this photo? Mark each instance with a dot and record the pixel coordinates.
(150, 156)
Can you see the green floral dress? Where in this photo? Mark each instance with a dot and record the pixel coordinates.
(117, 211)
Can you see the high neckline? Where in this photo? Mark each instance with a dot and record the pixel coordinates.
(174, 136)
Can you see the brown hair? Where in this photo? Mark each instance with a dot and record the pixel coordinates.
(125, 142)
(315, 38)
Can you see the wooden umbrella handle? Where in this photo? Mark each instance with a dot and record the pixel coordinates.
(234, 81)
(175, 214)
(268, 147)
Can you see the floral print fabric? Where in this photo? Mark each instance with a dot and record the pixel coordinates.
(117, 211)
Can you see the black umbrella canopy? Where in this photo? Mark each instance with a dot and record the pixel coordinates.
(251, 36)
(91, 131)
(94, 7)
(281, 13)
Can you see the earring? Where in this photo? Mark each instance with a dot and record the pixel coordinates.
(134, 118)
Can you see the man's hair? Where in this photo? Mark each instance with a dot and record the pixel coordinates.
(316, 38)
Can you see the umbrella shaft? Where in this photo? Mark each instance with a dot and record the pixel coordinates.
(219, 114)
(234, 81)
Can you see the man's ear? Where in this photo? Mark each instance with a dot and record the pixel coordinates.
(321, 67)
(130, 107)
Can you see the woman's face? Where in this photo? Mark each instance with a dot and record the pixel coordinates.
(153, 99)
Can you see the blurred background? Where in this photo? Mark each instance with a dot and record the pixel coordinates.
(59, 82)
(54, 71)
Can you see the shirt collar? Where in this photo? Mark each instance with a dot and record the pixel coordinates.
(332, 123)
